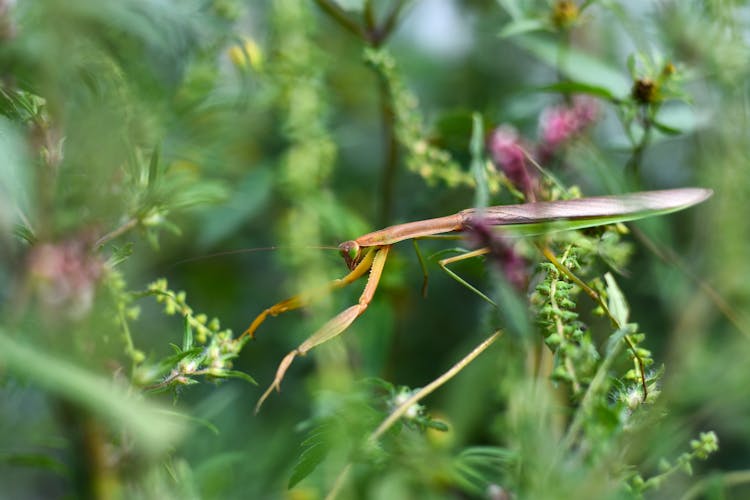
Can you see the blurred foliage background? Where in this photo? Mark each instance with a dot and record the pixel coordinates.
(144, 140)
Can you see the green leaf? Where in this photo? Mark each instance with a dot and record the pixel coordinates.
(236, 374)
(153, 167)
(151, 431)
(522, 26)
(314, 450)
(35, 460)
(571, 87)
(351, 5)
(665, 129)
(187, 335)
(251, 194)
(576, 65)
(200, 422)
(477, 467)
(438, 425)
(169, 362)
(24, 233)
(476, 146)
(15, 176)
(618, 306)
(120, 254)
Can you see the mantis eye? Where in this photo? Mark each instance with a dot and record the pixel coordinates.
(351, 253)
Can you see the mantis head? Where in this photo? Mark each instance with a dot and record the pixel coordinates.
(351, 252)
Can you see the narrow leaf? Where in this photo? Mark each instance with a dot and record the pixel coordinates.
(187, 335)
(522, 26)
(573, 87)
(666, 129)
(576, 65)
(476, 147)
(151, 431)
(315, 447)
(153, 167)
(618, 306)
(237, 374)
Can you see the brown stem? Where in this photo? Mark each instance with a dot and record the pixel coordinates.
(390, 157)
(127, 226)
(339, 15)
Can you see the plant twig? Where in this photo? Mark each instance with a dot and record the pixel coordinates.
(598, 299)
(127, 226)
(733, 478)
(432, 386)
(339, 15)
(668, 256)
(417, 396)
(636, 159)
(384, 31)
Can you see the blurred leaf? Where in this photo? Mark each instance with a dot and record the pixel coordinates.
(571, 87)
(315, 447)
(682, 117)
(169, 362)
(236, 374)
(577, 66)
(247, 198)
(476, 146)
(153, 167)
(618, 306)
(201, 422)
(522, 26)
(151, 431)
(24, 233)
(199, 193)
(512, 7)
(187, 335)
(120, 254)
(666, 129)
(35, 460)
(15, 174)
(477, 467)
(351, 5)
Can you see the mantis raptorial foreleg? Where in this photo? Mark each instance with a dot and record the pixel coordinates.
(338, 323)
(304, 299)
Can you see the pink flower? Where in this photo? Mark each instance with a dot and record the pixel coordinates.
(66, 275)
(508, 154)
(480, 234)
(560, 124)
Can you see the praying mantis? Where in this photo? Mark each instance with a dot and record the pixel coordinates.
(369, 252)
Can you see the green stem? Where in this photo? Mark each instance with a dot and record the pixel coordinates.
(390, 156)
(733, 478)
(636, 159)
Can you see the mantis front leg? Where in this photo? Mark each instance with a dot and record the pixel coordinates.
(302, 299)
(339, 323)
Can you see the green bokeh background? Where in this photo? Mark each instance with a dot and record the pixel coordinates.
(289, 153)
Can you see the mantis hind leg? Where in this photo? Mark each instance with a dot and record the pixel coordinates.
(339, 323)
